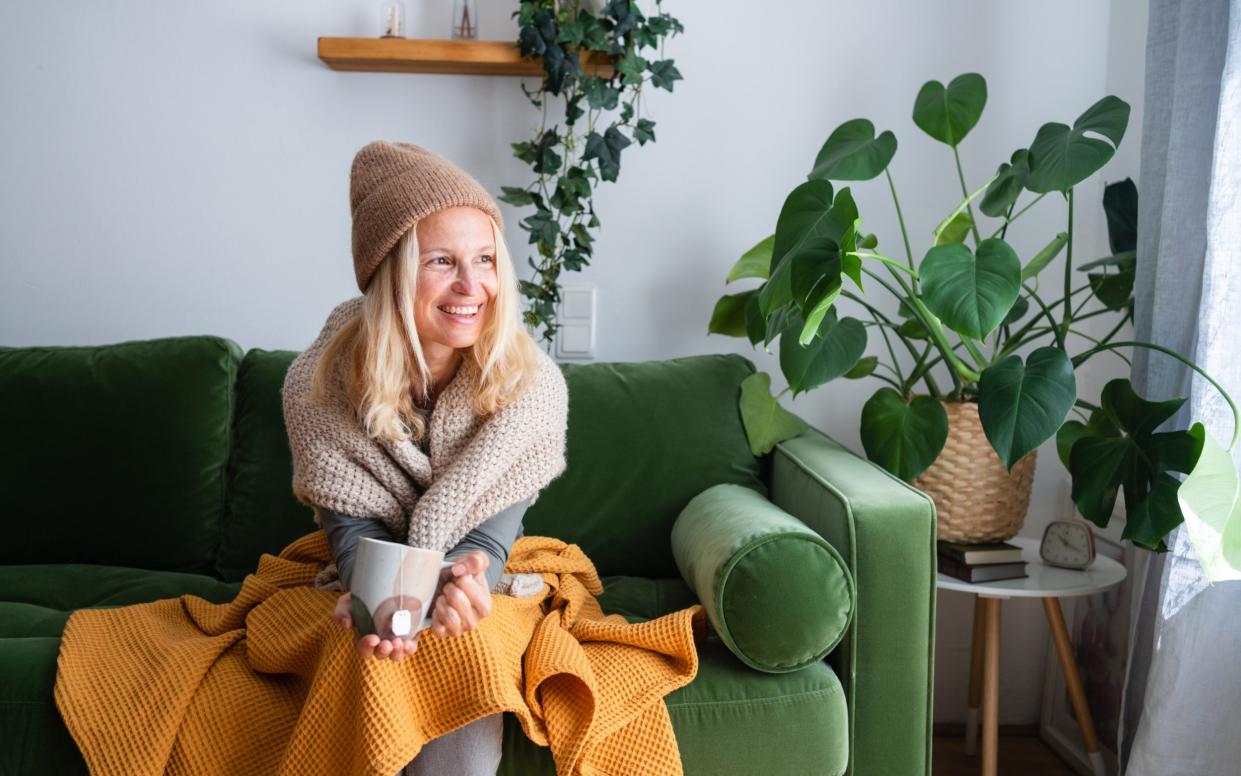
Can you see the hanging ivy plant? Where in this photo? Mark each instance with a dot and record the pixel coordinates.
(602, 116)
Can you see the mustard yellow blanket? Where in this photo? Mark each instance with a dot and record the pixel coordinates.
(267, 684)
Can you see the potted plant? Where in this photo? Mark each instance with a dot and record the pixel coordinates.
(973, 309)
(602, 115)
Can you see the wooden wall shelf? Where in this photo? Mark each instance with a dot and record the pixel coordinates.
(469, 57)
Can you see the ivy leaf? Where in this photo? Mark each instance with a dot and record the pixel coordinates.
(581, 237)
(625, 14)
(516, 196)
(626, 112)
(664, 73)
(644, 132)
(606, 149)
(546, 160)
(574, 260)
(573, 109)
(766, 422)
(599, 93)
(631, 66)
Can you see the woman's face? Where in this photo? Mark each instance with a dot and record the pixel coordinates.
(456, 277)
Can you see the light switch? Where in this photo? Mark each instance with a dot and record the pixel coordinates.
(575, 340)
(578, 302)
(576, 337)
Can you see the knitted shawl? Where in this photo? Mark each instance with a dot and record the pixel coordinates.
(478, 466)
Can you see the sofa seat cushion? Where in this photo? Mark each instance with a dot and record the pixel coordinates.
(35, 604)
(731, 719)
(116, 454)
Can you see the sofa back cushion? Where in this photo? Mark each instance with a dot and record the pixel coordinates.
(261, 514)
(116, 454)
(644, 438)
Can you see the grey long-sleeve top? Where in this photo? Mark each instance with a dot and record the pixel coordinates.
(495, 537)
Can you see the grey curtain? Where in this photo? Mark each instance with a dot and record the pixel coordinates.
(1183, 686)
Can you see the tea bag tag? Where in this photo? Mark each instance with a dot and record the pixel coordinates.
(401, 622)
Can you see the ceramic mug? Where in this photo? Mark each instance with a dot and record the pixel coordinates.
(393, 587)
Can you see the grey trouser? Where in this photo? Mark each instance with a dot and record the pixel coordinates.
(473, 750)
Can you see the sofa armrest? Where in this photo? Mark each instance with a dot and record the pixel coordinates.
(885, 530)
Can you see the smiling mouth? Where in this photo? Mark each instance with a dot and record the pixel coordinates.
(462, 313)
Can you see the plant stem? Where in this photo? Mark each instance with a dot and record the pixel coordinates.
(1047, 312)
(909, 254)
(1086, 404)
(928, 319)
(1007, 221)
(896, 366)
(965, 192)
(1081, 358)
(1068, 273)
(972, 349)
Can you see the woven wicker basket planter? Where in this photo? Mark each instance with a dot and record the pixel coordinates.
(976, 500)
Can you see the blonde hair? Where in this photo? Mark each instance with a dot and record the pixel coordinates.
(384, 356)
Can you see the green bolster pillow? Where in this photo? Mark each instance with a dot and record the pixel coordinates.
(779, 596)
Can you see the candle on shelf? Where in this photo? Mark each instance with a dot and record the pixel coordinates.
(392, 19)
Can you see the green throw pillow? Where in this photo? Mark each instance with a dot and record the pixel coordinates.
(777, 593)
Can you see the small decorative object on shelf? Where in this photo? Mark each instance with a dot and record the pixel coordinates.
(392, 19)
(1068, 544)
(464, 19)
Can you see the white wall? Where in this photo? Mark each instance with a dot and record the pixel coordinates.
(175, 168)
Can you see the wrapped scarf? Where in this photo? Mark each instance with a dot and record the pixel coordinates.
(478, 465)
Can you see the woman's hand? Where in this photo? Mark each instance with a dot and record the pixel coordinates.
(371, 645)
(464, 600)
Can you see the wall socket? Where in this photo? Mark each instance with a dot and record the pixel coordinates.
(576, 336)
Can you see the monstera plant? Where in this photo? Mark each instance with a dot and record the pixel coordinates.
(971, 309)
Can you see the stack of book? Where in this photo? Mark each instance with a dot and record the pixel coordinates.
(981, 562)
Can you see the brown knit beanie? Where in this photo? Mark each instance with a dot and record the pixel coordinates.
(394, 185)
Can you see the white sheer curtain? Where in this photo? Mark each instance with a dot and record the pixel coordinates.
(1183, 690)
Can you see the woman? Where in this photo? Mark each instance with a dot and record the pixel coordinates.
(424, 413)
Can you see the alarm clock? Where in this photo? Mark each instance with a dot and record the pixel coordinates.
(1068, 544)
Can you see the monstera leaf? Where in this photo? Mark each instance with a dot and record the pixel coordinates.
(948, 114)
(804, 218)
(971, 292)
(1118, 450)
(729, 316)
(853, 153)
(766, 422)
(1010, 179)
(903, 437)
(754, 263)
(1021, 405)
(1210, 499)
(836, 349)
(1062, 157)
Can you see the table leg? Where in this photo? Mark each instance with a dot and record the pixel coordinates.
(975, 695)
(1073, 680)
(991, 689)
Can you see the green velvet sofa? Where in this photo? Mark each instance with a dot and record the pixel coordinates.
(153, 469)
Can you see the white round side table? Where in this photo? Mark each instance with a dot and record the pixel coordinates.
(1050, 584)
